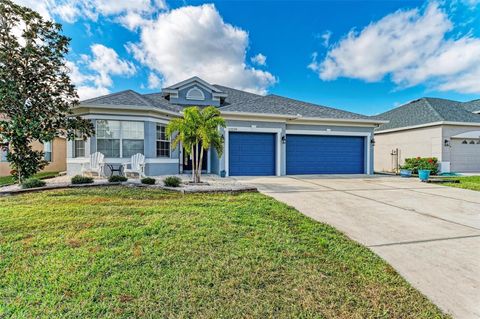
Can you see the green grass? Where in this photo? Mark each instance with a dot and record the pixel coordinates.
(8, 180)
(466, 182)
(118, 252)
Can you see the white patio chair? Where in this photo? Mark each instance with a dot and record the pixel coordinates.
(137, 165)
(95, 165)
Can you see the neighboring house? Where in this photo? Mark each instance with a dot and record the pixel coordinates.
(55, 154)
(430, 127)
(265, 135)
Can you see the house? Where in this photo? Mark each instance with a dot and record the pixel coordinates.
(265, 135)
(55, 154)
(430, 127)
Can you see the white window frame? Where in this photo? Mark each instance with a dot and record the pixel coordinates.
(278, 148)
(195, 98)
(45, 150)
(157, 140)
(2, 146)
(121, 138)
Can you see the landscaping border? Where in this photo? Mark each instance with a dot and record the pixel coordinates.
(182, 190)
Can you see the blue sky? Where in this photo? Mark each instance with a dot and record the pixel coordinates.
(362, 56)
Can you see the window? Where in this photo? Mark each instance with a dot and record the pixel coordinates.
(120, 138)
(47, 151)
(195, 94)
(3, 152)
(132, 138)
(79, 148)
(163, 142)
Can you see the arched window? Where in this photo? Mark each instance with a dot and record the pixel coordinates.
(195, 94)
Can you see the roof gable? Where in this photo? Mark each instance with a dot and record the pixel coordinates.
(425, 111)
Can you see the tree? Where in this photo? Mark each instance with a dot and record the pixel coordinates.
(36, 95)
(197, 129)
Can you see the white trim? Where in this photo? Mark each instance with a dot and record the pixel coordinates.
(133, 108)
(467, 135)
(125, 118)
(367, 135)
(427, 125)
(298, 118)
(278, 148)
(341, 133)
(190, 80)
(195, 90)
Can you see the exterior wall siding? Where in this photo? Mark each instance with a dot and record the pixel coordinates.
(154, 166)
(59, 157)
(466, 157)
(283, 127)
(423, 142)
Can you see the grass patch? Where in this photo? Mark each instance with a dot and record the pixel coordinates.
(120, 252)
(8, 180)
(466, 182)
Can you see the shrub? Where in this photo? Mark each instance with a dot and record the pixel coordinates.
(117, 179)
(148, 181)
(33, 183)
(172, 181)
(416, 163)
(78, 179)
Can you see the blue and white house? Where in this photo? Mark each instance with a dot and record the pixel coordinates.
(265, 135)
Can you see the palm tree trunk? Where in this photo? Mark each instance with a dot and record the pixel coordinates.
(192, 154)
(199, 174)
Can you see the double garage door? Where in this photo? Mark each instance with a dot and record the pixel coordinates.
(254, 154)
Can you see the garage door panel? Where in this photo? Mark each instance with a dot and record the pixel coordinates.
(317, 154)
(251, 154)
(465, 157)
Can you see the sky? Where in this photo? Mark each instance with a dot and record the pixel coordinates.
(361, 56)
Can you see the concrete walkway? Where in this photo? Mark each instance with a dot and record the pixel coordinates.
(429, 233)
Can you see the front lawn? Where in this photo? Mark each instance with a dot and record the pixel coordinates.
(120, 252)
(467, 182)
(8, 180)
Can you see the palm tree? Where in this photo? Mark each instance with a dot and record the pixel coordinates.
(197, 128)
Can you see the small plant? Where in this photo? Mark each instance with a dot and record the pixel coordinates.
(172, 181)
(33, 183)
(148, 181)
(117, 179)
(421, 163)
(78, 179)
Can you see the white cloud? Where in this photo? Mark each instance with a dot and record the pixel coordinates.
(99, 68)
(154, 82)
(411, 47)
(325, 37)
(259, 59)
(196, 41)
(130, 13)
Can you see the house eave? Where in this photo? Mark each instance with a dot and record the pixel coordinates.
(412, 127)
(136, 109)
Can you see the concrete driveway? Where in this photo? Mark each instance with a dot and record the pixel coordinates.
(429, 233)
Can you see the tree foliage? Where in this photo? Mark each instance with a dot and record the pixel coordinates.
(197, 131)
(36, 95)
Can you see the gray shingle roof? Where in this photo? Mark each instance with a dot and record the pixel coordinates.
(274, 104)
(236, 101)
(424, 111)
(472, 106)
(236, 96)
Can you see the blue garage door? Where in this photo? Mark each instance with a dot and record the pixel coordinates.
(251, 154)
(317, 154)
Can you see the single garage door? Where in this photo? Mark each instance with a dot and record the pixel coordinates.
(251, 154)
(465, 155)
(318, 154)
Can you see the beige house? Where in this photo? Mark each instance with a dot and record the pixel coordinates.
(430, 127)
(55, 153)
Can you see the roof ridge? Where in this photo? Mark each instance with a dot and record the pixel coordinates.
(432, 108)
(142, 98)
(106, 95)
